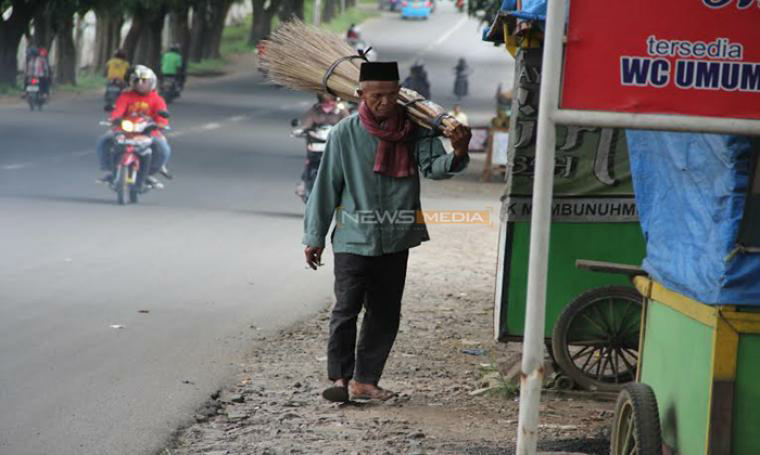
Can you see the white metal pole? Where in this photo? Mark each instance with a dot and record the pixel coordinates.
(667, 122)
(532, 375)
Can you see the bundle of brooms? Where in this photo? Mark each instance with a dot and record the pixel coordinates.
(304, 57)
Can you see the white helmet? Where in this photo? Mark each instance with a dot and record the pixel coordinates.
(142, 73)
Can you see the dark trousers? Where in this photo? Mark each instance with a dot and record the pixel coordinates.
(377, 284)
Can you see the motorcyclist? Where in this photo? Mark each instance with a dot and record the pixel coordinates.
(37, 66)
(171, 65)
(141, 99)
(418, 80)
(461, 85)
(353, 34)
(116, 68)
(326, 111)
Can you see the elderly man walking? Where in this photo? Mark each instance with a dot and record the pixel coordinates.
(369, 180)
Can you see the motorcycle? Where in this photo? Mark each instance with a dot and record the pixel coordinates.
(33, 94)
(316, 141)
(170, 89)
(113, 90)
(131, 155)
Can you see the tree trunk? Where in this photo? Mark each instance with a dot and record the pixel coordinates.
(43, 27)
(261, 26)
(180, 31)
(217, 17)
(350, 4)
(148, 50)
(11, 31)
(290, 9)
(107, 36)
(329, 11)
(79, 38)
(133, 36)
(198, 30)
(66, 57)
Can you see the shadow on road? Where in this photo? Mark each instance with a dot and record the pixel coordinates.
(59, 198)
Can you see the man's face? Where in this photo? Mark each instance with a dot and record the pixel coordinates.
(380, 97)
(143, 86)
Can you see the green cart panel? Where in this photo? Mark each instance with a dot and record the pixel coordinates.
(675, 362)
(612, 242)
(746, 437)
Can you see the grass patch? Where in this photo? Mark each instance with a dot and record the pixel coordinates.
(86, 81)
(499, 386)
(235, 37)
(341, 22)
(7, 89)
(208, 67)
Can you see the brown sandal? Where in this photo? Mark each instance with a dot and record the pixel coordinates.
(336, 394)
(375, 393)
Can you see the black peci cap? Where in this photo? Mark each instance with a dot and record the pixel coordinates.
(379, 71)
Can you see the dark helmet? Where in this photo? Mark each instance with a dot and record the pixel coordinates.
(120, 54)
(33, 51)
(174, 47)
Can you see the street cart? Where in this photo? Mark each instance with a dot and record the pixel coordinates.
(696, 389)
(645, 65)
(592, 319)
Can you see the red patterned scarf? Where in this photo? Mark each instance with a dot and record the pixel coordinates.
(394, 152)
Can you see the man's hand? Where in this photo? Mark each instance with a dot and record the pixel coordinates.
(313, 256)
(460, 139)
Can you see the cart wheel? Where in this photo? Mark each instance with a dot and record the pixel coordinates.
(636, 429)
(596, 338)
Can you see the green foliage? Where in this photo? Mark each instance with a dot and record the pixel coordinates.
(7, 89)
(352, 16)
(235, 38)
(500, 387)
(341, 22)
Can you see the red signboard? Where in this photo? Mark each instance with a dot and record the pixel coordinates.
(694, 57)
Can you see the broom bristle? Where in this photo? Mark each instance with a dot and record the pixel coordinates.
(298, 55)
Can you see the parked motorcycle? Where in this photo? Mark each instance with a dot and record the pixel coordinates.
(316, 141)
(169, 89)
(33, 94)
(113, 90)
(131, 156)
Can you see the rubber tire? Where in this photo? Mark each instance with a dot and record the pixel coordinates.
(560, 354)
(121, 185)
(133, 194)
(639, 399)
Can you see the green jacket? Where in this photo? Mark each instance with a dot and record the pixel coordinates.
(374, 214)
(171, 63)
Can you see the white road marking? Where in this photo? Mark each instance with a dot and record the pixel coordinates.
(13, 167)
(211, 126)
(448, 34)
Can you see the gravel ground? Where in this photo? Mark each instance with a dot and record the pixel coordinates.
(454, 396)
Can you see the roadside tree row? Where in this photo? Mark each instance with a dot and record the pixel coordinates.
(136, 26)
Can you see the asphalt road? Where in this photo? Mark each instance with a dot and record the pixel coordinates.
(194, 274)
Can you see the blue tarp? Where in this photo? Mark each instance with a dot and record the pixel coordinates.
(534, 10)
(690, 192)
